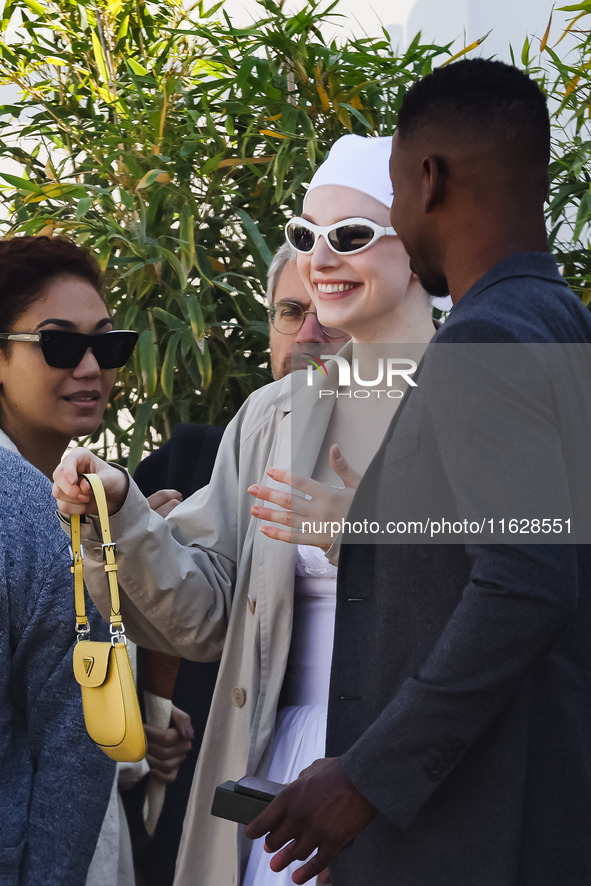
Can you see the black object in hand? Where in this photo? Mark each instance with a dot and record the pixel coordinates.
(243, 800)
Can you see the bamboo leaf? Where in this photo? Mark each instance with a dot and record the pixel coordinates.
(196, 318)
(7, 14)
(273, 134)
(176, 265)
(123, 28)
(255, 236)
(136, 67)
(169, 364)
(138, 437)
(322, 93)
(47, 230)
(569, 28)
(206, 368)
(203, 360)
(583, 215)
(544, 42)
(83, 206)
(147, 357)
(99, 58)
(241, 161)
(83, 17)
(36, 7)
(54, 60)
(572, 85)
(203, 264)
(153, 175)
(22, 184)
(187, 237)
(344, 116)
(466, 49)
(54, 190)
(358, 115)
(186, 343)
(169, 319)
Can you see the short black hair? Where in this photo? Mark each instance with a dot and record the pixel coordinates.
(480, 98)
(27, 264)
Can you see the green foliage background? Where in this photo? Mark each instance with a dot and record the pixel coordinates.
(175, 145)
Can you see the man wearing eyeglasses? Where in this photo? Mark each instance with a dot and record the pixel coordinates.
(185, 464)
(292, 318)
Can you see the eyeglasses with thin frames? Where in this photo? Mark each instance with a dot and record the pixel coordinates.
(288, 317)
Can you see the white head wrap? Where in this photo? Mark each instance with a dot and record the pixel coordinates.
(359, 163)
(363, 164)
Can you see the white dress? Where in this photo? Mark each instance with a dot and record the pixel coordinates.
(300, 730)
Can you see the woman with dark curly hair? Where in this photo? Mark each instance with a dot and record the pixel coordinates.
(58, 357)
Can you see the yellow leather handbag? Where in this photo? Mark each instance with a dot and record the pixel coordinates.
(103, 670)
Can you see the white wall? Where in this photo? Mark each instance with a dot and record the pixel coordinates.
(358, 16)
(510, 22)
(439, 20)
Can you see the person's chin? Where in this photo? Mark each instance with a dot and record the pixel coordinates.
(282, 369)
(434, 287)
(295, 362)
(83, 425)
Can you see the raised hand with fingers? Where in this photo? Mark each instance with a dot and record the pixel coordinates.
(313, 517)
(74, 496)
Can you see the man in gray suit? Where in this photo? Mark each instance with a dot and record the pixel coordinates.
(459, 726)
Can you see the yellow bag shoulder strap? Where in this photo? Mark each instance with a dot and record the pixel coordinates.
(110, 565)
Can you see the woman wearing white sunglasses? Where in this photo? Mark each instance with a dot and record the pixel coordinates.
(358, 277)
(207, 582)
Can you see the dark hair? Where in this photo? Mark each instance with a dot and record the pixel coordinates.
(27, 264)
(478, 98)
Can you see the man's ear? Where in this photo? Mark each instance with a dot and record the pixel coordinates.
(434, 181)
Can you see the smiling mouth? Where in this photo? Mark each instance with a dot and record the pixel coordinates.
(83, 398)
(329, 288)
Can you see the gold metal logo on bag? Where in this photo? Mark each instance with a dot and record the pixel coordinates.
(87, 664)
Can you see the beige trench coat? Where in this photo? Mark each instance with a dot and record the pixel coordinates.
(207, 583)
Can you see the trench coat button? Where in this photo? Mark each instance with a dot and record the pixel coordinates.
(252, 605)
(238, 697)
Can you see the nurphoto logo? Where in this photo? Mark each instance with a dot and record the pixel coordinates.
(386, 372)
